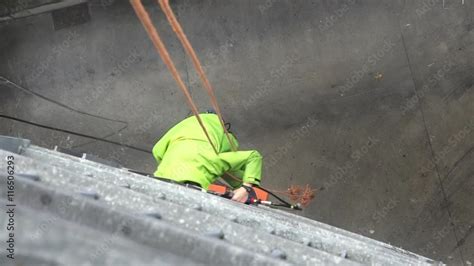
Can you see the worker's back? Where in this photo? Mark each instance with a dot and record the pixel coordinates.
(185, 154)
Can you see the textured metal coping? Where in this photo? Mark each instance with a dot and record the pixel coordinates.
(191, 217)
(287, 226)
(45, 239)
(42, 9)
(12, 144)
(138, 227)
(88, 156)
(265, 232)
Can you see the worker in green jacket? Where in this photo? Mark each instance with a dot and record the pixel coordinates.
(185, 155)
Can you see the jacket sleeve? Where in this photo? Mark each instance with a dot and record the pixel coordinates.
(160, 148)
(250, 162)
(231, 181)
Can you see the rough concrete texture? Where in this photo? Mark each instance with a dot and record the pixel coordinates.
(172, 244)
(48, 240)
(178, 220)
(371, 100)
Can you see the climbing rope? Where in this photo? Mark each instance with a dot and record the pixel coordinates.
(295, 193)
(197, 64)
(163, 52)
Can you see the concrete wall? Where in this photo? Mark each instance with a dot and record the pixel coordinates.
(326, 90)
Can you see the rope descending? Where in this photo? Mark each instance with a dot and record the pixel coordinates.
(297, 194)
(163, 52)
(197, 64)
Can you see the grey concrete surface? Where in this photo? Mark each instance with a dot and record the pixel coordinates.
(371, 100)
(45, 239)
(61, 173)
(249, 234)
(170, 243)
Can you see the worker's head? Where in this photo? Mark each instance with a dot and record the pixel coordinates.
(211, 111)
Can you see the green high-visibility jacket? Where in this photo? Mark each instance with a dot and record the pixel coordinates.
(185, 154)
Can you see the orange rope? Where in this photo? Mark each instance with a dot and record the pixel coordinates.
(160, 47)
(298, 194)
(175, 25)
(197, 65)
(295, 193)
